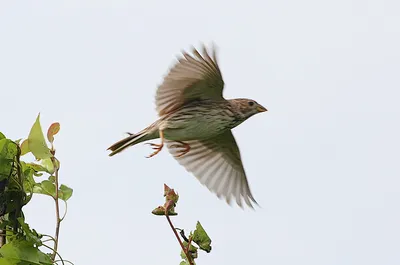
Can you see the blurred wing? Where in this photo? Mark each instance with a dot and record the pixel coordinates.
(192, 77)
(216, 163)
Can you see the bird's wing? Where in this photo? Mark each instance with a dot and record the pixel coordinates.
(216, 163)
(192, 77)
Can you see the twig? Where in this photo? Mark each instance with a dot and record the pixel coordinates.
(47, 240)
(179, 239)
(70, 262)
(58, 221)
(182, 233)
(189, 242)
(66, 210)
(2, 238)
(52, 238)
(54, 251)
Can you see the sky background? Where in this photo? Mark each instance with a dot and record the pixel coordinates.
(323, 162)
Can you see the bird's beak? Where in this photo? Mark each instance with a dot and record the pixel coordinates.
(261, 108)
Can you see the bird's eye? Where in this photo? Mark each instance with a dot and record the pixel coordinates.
(251, 103)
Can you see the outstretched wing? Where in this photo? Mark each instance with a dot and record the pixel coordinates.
(216, 163)
(192, 77)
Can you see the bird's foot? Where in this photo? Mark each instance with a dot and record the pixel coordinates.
(185, 146)
(156, 147)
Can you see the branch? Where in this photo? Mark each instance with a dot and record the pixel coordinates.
(56, 253)
(58, 219)
(188, 246)
(185, 250)
(2, 238)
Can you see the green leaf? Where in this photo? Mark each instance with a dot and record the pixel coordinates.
(65, 192)
(4, 261)
(2, 136)
(192, 253)
(8, 152)
(4, 222)
(36, 141)
(46, 187)
(53, 130)
(24, 147)
(8, 149)
(38, 189)
(20, 251)
(52, 179)
(23, 253)
(45, 259)
(201, 238)
(48, 165)
(31, 235)
(27, 172)
(37, 168)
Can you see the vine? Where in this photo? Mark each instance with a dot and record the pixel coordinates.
(19, 181)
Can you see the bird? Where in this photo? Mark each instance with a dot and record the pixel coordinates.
(195, 123)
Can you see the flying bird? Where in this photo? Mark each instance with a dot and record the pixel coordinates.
(195, 123)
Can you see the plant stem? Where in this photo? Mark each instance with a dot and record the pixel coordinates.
(58, 221)
(189, 242)
(186, 251)
(58, 254)
(2, 238)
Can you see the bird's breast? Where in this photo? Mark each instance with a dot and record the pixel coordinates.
(196, 124)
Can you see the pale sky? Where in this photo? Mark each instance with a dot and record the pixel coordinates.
(322, 162)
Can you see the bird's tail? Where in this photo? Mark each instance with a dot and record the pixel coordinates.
(132, 139)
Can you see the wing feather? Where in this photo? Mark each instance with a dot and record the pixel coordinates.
(192, 77)
(216, 163)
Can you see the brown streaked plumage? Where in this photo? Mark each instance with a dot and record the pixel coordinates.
(195, 124)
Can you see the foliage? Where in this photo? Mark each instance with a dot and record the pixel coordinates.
(198, 236)
(19, 181)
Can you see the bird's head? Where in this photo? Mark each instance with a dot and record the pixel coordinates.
(247, 107)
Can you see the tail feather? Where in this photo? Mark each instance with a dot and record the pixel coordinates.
(121, 145)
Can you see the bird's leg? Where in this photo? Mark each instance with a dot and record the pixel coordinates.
(157, 147)
(181, 145)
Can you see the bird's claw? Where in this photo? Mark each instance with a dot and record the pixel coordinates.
(156, 147)
(181, 145)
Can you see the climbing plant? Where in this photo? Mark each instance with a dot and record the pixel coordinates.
(20, 182)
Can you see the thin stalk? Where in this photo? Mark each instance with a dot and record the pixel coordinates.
(58, 254)
(2, 238)
(189, 242)
(186, 251)
(58, 219)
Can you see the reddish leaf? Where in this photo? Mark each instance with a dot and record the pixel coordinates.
(166, 189)
(53, 130)
(159, 211)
